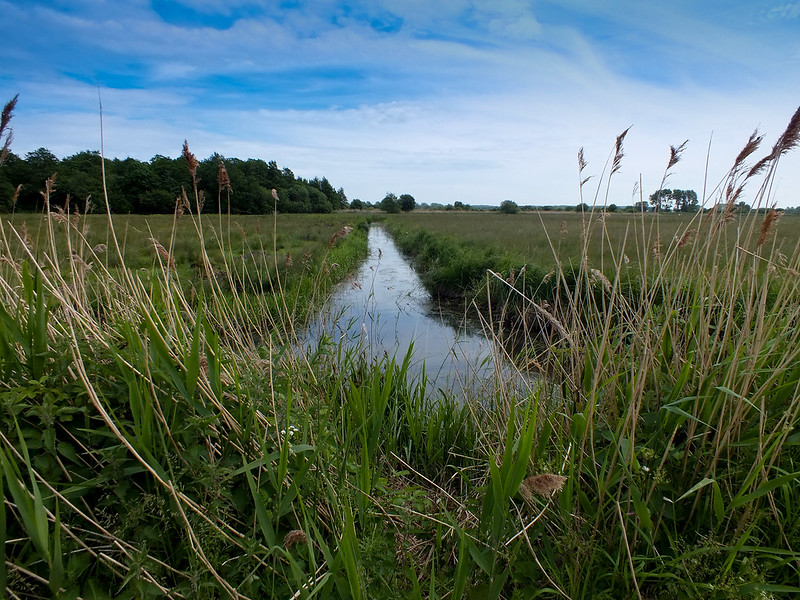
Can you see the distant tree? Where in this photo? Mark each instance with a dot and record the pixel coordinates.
(318, 201)
(509, 207)
(583, 207)
(407, 202)
(611, 208)
(356, 204)
(685, 200)
(390, 203)
(641, 206)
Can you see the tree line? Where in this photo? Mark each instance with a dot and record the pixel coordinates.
(152, 187)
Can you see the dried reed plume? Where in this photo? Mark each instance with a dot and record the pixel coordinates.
(342, 233)
(685, 238)
(618, 152)
(675, 154)
(5, 130)
(162, 252)
(788, 140)
(178, 207)
(790, 137)
(544, 484)
(751, 146)
(294, 537)
(223, 180)
(581, 166)
(598, 277)
(191, 159)
(770, 221)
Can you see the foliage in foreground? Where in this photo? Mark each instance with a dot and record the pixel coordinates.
(165, 437)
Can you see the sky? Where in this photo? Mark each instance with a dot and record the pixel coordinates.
(477, 101)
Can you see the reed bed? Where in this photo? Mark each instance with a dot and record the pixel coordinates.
(165, 435)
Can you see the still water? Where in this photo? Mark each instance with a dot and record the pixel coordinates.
(383, 309)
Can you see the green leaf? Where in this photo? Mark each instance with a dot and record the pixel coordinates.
(464, 563)
(764, 489)
(706, 481)
(3, 572)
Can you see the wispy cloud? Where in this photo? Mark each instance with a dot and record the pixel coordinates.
(472, 100)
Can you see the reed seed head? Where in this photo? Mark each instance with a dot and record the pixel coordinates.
(191, 159)
(162, 252)
(790, 137)
(581, 161)
(294, 537)
(223, 180)
(675, 154)
(767, 225)
(544, 484)
(751, 146)
(618, 152)
(5, 130)
(342, 233)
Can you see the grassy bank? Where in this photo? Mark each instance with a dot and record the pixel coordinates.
(163, 436)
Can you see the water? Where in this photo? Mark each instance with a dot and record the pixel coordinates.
(384, 309)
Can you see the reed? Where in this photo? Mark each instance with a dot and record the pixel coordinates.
(165, 433)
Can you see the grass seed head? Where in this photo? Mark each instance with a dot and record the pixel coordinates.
(223, 180)
(544, 484)
(618, 152)
(767, 225)
(191, 159)
(294, 537)
(675, 154)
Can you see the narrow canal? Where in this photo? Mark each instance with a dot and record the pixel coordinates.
(384, 308)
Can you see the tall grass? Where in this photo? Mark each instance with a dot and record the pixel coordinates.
(163, 434)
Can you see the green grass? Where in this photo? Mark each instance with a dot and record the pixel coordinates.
(164, 435)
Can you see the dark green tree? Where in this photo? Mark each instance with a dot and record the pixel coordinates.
(407, 202)
(390, 203)
(509, 207)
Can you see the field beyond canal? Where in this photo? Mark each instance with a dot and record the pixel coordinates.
(164, 435)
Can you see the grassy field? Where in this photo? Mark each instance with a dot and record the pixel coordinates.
(547, 239)
(164, 435)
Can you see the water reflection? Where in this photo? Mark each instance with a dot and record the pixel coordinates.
(384, 308)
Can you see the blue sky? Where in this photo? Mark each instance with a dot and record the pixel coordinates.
(471, 100)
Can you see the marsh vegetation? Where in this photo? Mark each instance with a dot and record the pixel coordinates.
(164, 436)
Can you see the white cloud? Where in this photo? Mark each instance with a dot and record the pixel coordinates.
(790, 10)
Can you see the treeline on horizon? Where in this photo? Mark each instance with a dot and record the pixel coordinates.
(153, 187)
